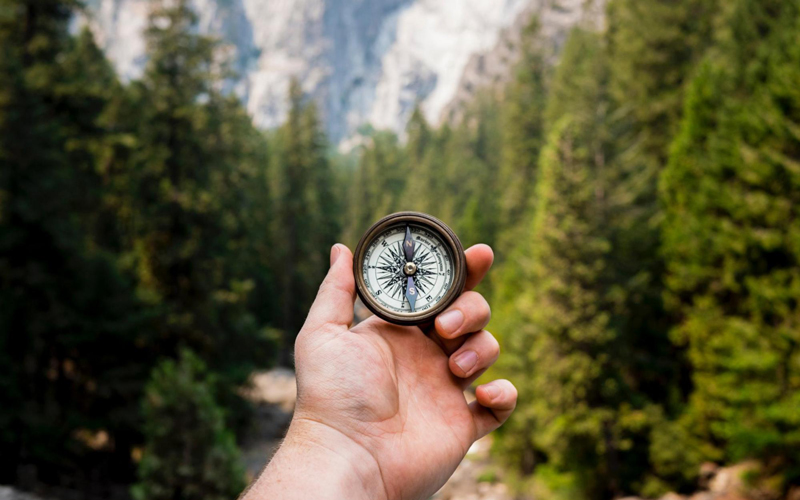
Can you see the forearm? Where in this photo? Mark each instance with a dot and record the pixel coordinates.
(316, 461)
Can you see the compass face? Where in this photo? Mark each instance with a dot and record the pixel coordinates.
(386, 269)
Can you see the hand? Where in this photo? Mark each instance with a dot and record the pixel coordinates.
(380, 411)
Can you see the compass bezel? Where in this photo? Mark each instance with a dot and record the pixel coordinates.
(447, 236)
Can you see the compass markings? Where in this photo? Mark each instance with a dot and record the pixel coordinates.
(387, 264)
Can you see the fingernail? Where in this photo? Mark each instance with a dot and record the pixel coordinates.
(335, 253)
(491, 391)
(450, 321)
(466, 361)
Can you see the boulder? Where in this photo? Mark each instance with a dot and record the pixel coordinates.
(8, 493)
(729, 480)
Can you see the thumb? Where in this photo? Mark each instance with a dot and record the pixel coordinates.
(336, 295)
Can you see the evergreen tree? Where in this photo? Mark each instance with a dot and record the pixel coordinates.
(189, 172)
(377, 184)
(522, 124)
(66, 312)
(471, 153)
(584, 409)
(423, 168)
(565, 332)
(188, 454)
(653, 48)
(306, 222)
(731, 193)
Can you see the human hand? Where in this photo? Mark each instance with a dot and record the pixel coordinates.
(380, 411)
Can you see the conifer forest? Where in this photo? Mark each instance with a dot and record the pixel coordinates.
(641, 195)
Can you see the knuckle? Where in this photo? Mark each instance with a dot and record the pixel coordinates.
(481, 302)
(493, 344)
(509, 388)
(330, 287)
(472, 296)
(326, 287)
(476, 305)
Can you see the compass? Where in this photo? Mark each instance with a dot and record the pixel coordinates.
(409, 267)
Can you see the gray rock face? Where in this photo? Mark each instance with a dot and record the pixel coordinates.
(363, 61)
(491, 69)
(8, 493)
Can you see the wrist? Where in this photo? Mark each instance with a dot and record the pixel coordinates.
(318, 461)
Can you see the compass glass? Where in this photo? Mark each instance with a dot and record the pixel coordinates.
(386, 270)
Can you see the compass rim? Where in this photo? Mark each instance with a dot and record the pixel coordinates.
(447, 235)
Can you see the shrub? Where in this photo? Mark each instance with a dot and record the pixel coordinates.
(188, 453)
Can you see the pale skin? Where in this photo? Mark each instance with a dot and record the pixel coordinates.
(380, 412)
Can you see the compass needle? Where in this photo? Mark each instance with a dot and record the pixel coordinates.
(408, 245)
(411, 293)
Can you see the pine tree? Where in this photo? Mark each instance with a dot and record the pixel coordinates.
(423, 166)
(68, 318)
(171, 172)
(189, 173)
(654, 46)
(731, 193)
(239, 183)
(188, 453)
(377, 184)
(584, 412)
(566, 333)
(522, 124)
(306, 223)
(471, 152)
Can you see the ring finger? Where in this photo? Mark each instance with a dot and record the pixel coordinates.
(478, 353)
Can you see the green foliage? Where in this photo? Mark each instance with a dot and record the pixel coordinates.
(71, 329)
(654, 46)
(135, 220)
(423, 165)
(472, 152)
(455, 159)
(188, 453)
(488, 476)
(582, 320)
(189, 197)
(564, 319)
(731, 197)
(139, 220)
(523, 133)
(550, 482)
(306, 215)
(187, 176)
(377, 184)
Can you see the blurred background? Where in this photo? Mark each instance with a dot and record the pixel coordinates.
(174, 172)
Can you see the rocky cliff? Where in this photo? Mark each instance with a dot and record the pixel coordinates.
(491, 69)
(363, 61)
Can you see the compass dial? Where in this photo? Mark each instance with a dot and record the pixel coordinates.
(386, 274)
(409, 267)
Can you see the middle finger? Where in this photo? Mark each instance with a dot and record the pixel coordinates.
(469, 313)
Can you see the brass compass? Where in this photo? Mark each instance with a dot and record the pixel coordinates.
(409, 267)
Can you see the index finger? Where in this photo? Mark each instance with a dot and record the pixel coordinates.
(479, 260)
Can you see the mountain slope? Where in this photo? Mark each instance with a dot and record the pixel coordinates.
(363, 61)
